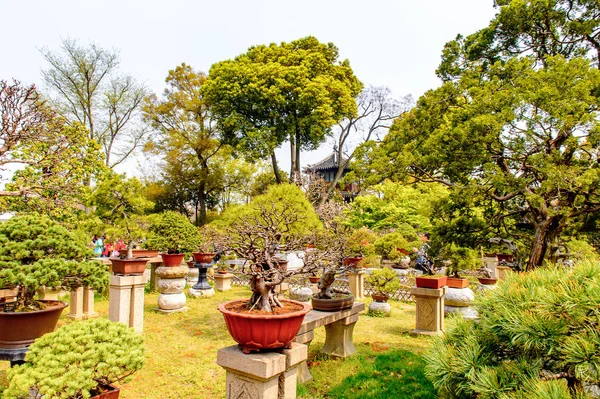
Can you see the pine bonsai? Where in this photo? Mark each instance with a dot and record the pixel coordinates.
(76, 359)
(36, 251)
(384, 281)
(173, 233)
(538, 336)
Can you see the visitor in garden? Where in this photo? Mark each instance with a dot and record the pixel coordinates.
(99, 247)
(423, 263)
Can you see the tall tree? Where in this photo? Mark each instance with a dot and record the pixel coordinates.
(187, 137)
(57, 157)
(289, 92)
(86, 87)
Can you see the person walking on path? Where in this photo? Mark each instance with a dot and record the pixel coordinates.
(99, 247)
(423, 262)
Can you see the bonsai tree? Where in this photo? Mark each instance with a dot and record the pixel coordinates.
(536, 337)
(121, 205)
(384, 281)
(360, 243)
(78, 360)
(173, 233)
(36, 251)
(212, 239)
(459, 259)
(279, 220)
(389, 245)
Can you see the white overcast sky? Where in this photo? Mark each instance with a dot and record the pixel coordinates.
(394, 43)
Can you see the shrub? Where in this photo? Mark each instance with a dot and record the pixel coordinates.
(36, 251)
(537, 333)
(174, 233)
(384, 281)
(73, 360)
(387, 245)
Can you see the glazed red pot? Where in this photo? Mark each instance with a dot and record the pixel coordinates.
(172, 259)
(433, 282)
(457, 282)
(487, 281)
(255, 332)
(109, 392)
(203, 257)
(128, 266)
(314, 279)
(20, 329)
(352, 261)
(380, 297)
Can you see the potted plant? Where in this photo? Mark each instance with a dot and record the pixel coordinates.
(211, 242)
(120, 204)
(360, 248)
(276, 221)
(458, 259)
(384, 282)
(429, 279)
(78, 360)
(34, 252)
(486, 276)
(174, 234)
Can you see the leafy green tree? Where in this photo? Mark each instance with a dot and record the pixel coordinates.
(57, 157)
(522, 139)
(188, 139)
(289, 92)
(537, 336)
(173, 233)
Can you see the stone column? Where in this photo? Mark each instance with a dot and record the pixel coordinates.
(491, 262)
(223, 281)
(459, 300)
(126, 302)
(338, 337)
(171, 283)
(48, 294)
(153, 280)
(88, 303)
(501, 272)
(76, 304)
(192, 277)
(429, 309)
(356, 281)
(266, 375)
(304, 374)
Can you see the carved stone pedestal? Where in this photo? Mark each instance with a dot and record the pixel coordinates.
(126, 302)
(429, 309)
(501, 272)
(356, 281)
(81, 303)
(268, 375)
(192, 277)
(171, 283)
(154, 264)
(223, 281)
(459, 300)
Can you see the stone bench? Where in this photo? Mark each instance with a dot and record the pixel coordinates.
(339, 327)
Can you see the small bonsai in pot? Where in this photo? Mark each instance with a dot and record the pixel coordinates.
(212, 242)
(174, 234)
(458, 259)
(384, 282)
(79, 360)
(360, 248)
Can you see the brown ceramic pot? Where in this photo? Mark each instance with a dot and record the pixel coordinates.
(128, 266)
(203, 257)
(457, 282)
(332, 305)
(433, 282)
(171, 260)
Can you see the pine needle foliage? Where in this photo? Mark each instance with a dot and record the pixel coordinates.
(537, 337)
(173, 233)
(73, 360)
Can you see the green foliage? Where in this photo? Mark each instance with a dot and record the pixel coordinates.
(73, 360)
(533, 329)
(174, 233)
(36, 251)
(387, 245)
(461, 258)
(384, 281)
(361, 242)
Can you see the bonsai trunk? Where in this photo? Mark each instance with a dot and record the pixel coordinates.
(263, 294)
(325, 288)
(545, 233)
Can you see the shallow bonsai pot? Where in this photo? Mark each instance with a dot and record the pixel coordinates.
(140, 253)
(458, 282)
(380, 297)
(487, 281)
(504, 258)
(433, 282)
(20, 329)
(109, 392)
(203, 257)
(222, 271)
(256, 331)
(401, 267)
(314, 279)
(352, 261)
(128, 266)
(333, 305)
(171, 260)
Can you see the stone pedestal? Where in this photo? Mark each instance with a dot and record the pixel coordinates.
(202, 289)
(356, 281)
(380, 308)
(153, 279)
(268, 375)
(429, 310)
(192, 277)
(170, 284)
(501, 272)
(126, 303)
(48, 294)
(88, 303)
(223, 281)
(76, 304)
(459, 300)
(491, 262)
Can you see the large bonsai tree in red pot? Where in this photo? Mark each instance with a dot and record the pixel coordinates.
(34, 252)
(174, 234)
(278, 221)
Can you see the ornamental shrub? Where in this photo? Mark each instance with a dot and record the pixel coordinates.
(36, 251)
(538, 336)
(73, 360)
(174, 233)
(384, 281)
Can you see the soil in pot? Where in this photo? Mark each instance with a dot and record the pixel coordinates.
(20, 329)
(339, 302)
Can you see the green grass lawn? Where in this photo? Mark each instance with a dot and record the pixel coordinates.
(181, 350)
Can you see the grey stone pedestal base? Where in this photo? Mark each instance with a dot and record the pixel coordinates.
(201, 293)
(380, 308)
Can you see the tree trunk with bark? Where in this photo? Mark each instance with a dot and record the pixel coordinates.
(546, 232)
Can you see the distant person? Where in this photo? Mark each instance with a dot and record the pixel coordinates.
(99, 247)
(423, 263)
(115, 253)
